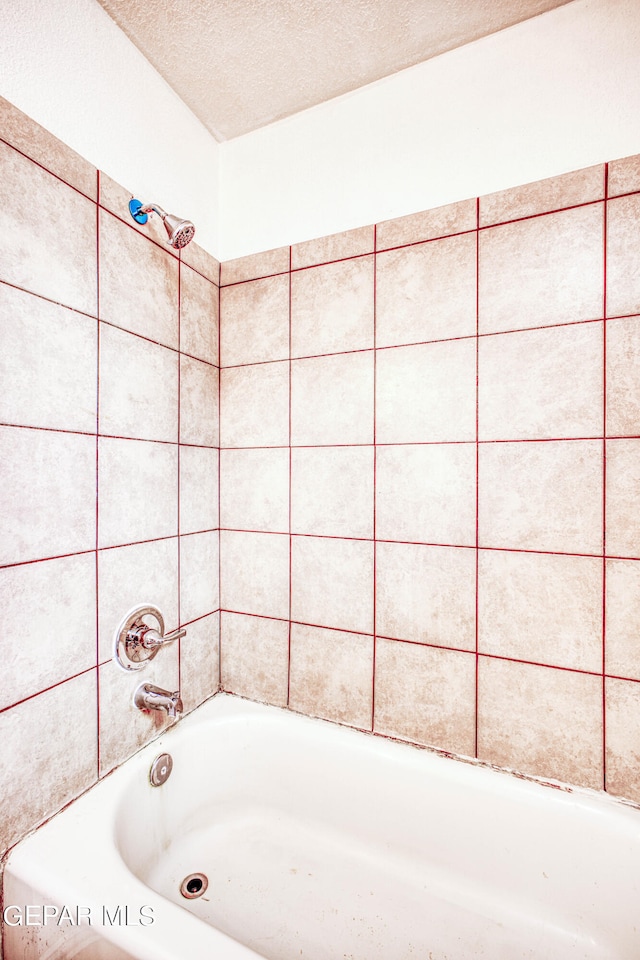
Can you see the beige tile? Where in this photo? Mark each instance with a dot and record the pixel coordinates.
(199, 661)
(427, 225)
(59, 767)
(48, 624)
(332, 491)
(138, 387)
(138, 491)
(115, 199)
(138, 283)
(332, 308)
(255, 657)
(337, 246)
(199, 575)
(426, 393)
(543, 196)
(198, 402)
(541, 721)
(27, 136)
(198, 316)
(541, 607)
(425, 695)
(622, 613)
(35, 253)
(254, 490)
(255, 573)
(143, 573)
(332, 400)
(47, 363)
(623, 498)
(331, 675)
(426, 594)
(623, 377)
(624, 175)
(47, 494)
(623, 269)
(332, 583)
(254, 321)
(264, 264)
(124, 729)
(527, 496)
(427, 493)
(541, 383)
(255, 406)
(426, 292)
(538, 272)
(623, 738)
(198, 489)
(201, 261)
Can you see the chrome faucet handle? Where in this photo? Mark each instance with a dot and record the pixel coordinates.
(151, 639)
(136, 642)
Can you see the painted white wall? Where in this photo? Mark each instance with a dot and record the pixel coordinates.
(69, 67)
(553, 94)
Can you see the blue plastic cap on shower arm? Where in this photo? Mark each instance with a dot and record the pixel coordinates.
(134, 210)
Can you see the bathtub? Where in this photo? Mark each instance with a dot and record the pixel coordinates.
(323, 843)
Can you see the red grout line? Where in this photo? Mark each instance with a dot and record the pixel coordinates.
(417, 543)
(290, 504)
(41, 296)
(545, 213)
(436, 239)
(219, 490)
(299, 623)
(375, 457)
(290, 491)
(158, 343)
(179, 305)
(261, 276)
(319, 446)
(477, 505)
(425, 240)
(604, 476)
(52, 173)
(431, 646)
(97, 515)
(424, 343)
(52, 686)
(203, 616)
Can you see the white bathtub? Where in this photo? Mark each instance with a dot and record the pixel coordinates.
(323, 843)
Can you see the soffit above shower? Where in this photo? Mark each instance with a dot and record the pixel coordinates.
(241, 64)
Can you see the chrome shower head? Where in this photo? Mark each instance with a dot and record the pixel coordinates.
(180, 232)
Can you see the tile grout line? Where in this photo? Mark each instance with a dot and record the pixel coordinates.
(604, 474)
(432, 646)
(219, 489)
(375, 458)
(97, 516)
(290, 492)
(477, 504)
(179, 305)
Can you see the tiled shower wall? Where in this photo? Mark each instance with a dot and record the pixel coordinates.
(430, 478)
(108, 469)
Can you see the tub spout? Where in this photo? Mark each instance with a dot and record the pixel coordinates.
(150, 697)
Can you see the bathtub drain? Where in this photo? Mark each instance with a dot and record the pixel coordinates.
(194, 886)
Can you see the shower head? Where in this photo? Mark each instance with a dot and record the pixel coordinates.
(180, 232)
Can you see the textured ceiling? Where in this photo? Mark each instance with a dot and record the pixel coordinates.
(240, 64)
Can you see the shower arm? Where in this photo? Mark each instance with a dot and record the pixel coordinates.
(153, 208)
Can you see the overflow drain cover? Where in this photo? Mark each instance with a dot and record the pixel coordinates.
(160, 770)
(194, 886)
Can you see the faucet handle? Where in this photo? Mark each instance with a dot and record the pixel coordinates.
(136, 642)
(152, 640)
